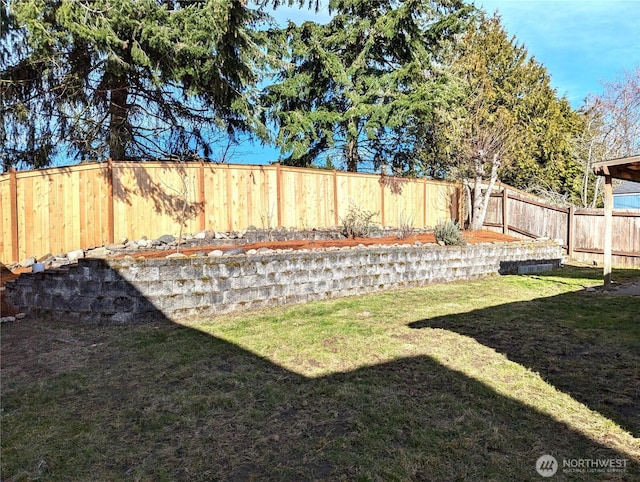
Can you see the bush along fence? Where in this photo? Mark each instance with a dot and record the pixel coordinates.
(62, 209)
(581, 231)
(131, 290)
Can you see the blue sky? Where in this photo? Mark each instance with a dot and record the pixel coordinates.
(580, 42)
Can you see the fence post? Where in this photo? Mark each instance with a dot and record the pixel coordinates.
(13, 207)
(608, 230)
(505, 210)
(335, 197)
(229, 196)
(570, 230)
(424, 202)
(202, 200)
(110, 201)
(462, 210)
(382, 199)
(279, 193)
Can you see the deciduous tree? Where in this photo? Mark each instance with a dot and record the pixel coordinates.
(612, 130)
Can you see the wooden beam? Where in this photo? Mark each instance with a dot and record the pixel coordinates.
(608, 229)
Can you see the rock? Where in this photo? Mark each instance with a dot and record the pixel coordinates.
(201, 235)
(115, 246)
(176, 255)
(45, 258)
(219, 235)
(252, 251)
(75, 255)
(264, 250)
(143, 243)
(131, 245)
(29, 262)
(166, 239)
(235, 252)
(20, 316)
(101, 252)
(124, 241)
(215, 253)
(6, 319)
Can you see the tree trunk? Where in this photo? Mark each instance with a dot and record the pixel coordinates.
(119, 131)
(352, 155)
(480, 201)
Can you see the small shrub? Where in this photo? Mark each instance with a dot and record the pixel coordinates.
(405, 226)
(449, 234)
(358, 223)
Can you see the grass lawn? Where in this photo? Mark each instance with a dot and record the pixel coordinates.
(462, 381)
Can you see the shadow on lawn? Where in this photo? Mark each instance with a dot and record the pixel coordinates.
(160, 401)
(165, 402)
(586, 344)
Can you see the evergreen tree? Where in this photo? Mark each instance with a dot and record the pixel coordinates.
(125, 78)
(355, 84)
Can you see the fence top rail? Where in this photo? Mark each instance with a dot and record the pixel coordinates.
(600, 212)
(211, 165)
(52, 171)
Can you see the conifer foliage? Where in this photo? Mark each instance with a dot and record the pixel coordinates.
(353, 86)
(124, 78)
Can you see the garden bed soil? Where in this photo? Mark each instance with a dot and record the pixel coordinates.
(472, 237)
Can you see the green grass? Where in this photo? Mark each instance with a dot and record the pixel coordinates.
(461, 381)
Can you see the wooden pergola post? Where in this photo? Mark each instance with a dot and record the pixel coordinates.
(608, 229)
(624, 168)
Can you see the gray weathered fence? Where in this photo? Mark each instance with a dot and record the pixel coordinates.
(581, 230)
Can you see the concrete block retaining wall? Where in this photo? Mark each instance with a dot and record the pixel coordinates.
(129, 290)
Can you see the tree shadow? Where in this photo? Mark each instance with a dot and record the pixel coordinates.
(594, 362)
(174, 199)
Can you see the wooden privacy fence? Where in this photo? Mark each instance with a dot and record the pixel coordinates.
(581, 230)
(59, 209)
